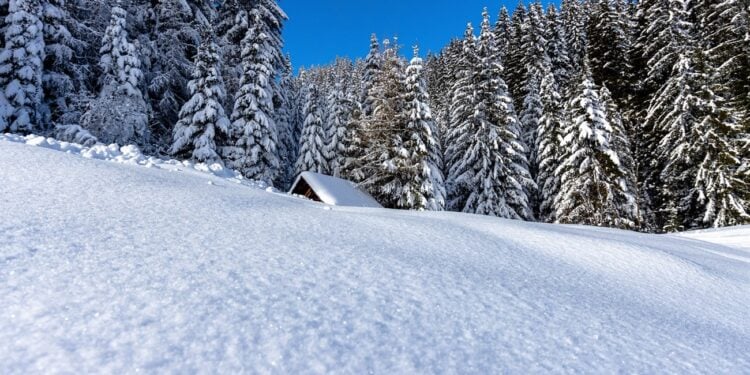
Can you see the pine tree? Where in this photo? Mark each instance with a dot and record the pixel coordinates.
(285, 117)
(514, 63)
(548, 153)
(385, 155)
(253, 129)
(202, 119)
(119, 114)
(593, 190)
(423, 189)
(609, 47)
(503, 33)
(174, 37)
(574, 21)
(373, 64)
(312, 141)
(61, 77)
(491, 176)
(664, 31)
(21, 67)
(557, 49)
(336, 122)
(461, 111)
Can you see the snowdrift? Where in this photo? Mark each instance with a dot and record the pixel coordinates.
(113, 267)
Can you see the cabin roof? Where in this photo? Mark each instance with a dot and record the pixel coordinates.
(332, 190)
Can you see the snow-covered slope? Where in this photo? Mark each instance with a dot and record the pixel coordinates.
(113, 268)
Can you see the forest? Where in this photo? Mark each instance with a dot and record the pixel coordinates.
(601, 112)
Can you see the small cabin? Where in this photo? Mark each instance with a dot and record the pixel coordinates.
(331, 190)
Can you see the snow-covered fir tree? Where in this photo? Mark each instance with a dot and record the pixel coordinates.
(285, 117)
(61, 77)
(549, 140)
(373, 63)
(557, 49)
(174, 35)
(574, 20)
(490, 174)
(424, 182)
(593, 190)
(21, 63)
(202, 119)
(312, 141)
(119, 114)
(385, 156)
(339, 111)
(514, 61)
(254, 151)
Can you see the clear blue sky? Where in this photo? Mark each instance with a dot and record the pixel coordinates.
(320, 30)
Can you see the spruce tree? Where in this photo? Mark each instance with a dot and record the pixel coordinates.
(21, 67)
(255, 152)
(609, 47)
(312, 140)
(339, 110)
(174, 37)
(373, 63)
(385, 156)
(119, 114)
(593, 190)
(549, 141)
(285, 103)
(557, 49)
(202, 120)
(503, 32)
(61, 77)
(574, 20)
(491, 176)
(515, 61)
(423, 189)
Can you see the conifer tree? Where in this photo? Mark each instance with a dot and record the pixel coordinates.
(574, 21)
(202, 118)
(373, 64)
(609, 46)
(21, 67)
(503, 32)
(423, 189)
(385, 154)
(557, 49)
(60, 75)
(339, 110)
(312, 141)
(491, 177)
(663, 33)
(593, 190)
(255, 154)
(284, 117)
(514, 62)
(174, 37)
(119, 114)
(549, 140)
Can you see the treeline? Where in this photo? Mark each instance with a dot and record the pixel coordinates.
(603, 112)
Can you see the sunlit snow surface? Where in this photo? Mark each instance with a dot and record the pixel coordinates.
(116, 268)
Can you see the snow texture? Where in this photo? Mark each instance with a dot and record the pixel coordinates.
(336, 191)
(112, 268)
(132, 155)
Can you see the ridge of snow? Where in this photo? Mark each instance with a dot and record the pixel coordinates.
(132, 155)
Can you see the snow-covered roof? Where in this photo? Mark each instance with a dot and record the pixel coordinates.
(335, 191)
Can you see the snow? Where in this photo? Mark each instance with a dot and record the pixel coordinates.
(336, 191)
(109, 267)
(132, 155)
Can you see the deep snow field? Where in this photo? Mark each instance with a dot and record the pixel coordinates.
(112, 262)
